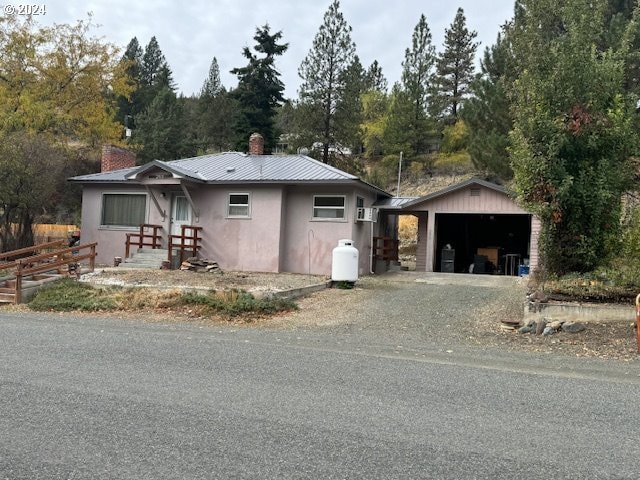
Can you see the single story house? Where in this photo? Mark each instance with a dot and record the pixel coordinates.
(254, 212)
(286, 213)
(472, 226)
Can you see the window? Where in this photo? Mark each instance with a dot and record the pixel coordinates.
(182, 210)
(329, 207)
(123, 210)
(238, 205)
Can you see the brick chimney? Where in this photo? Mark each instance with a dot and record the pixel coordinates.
(256, 144)
(116, 158)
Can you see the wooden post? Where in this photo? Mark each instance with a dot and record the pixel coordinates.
(140, 238)
(18, 295)
(92, 260)
(127, 246)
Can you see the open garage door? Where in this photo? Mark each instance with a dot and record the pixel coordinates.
(482, 243)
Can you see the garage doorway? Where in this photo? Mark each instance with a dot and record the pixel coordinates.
(481, 243)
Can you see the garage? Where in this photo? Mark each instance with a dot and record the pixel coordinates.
(473, 227)
(481, 243)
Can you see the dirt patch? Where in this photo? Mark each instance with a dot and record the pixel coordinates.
(611, 339)
(256, 283)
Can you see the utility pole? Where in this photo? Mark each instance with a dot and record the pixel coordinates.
(399, 175)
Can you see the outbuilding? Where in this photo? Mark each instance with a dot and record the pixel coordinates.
(471, 227)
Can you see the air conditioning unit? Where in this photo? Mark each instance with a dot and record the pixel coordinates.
(366, 214)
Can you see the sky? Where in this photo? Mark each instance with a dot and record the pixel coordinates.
(191, 32)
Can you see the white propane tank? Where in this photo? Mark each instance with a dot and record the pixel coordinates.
(344, 264)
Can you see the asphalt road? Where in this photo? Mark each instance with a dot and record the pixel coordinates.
(95, 398)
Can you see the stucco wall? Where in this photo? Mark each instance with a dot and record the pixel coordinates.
(309, 243)
(279, 235)
(244, 244)
(111, 240)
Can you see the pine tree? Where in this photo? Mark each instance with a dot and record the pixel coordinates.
(455, 68)
(349, 110)
(132, 62)
(417, 71)
(322, 74)
(212, 86)
(160, 128)
(216, 114)
(487, 112)
(260, 90)
(375, 79)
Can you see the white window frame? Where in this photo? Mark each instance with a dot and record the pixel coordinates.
(329, 219)
(123, 227)
(229, 205)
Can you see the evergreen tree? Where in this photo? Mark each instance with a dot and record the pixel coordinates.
(155, 74)
(131, 61)
(160, 128)
(349, 109)
(322, 74)
(212, 86)
(573, 130)
(412, 103)
(455, 68)
(217, 114)
(375, 79)
(260, 89)
(487, 112)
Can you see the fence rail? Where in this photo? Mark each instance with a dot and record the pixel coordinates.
(185, 243)
(144, 238)
(52, 261)
(386, 248)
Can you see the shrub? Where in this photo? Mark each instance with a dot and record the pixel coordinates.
(66, 295)
(237, 302)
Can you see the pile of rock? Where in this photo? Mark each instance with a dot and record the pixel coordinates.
(544, 326)
(195, 264)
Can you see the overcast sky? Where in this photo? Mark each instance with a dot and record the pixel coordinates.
(192, 32)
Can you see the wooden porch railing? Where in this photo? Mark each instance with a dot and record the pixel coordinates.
(22, 252)
(386, 248)
(144, 238)
(185, 243)
(46, 262)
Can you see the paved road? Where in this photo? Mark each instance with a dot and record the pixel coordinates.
(93, 398)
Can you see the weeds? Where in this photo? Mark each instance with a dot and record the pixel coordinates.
(67, 295)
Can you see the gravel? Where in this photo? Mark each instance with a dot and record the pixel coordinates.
(401, 311)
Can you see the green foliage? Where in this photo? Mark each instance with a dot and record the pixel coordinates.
(259, 92)
(33, 176)
(66, 295)
(487, 112)
(573, 131)
(374, 122)
(454, 68)
(375, 79)
(54, 80)
(408, 122)
(454, 137)
(237, 302)
(323, 77)
(453, 163)
(160, 129)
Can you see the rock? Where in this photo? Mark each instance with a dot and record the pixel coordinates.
(548, 331)
(573, 327)
(556, 324)
(530, 327)
(540, 326)
(507, 327)
(512, 322)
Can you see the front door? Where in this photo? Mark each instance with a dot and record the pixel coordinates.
(180, 215)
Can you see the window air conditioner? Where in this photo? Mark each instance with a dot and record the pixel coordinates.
(366, 214)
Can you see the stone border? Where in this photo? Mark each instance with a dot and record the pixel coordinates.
(301, 291)
(580, 312)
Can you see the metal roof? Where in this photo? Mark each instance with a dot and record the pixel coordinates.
(234, 167)
(395, 202)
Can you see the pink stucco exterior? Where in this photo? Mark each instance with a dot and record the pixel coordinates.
(279, 235)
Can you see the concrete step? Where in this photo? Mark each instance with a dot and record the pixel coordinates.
(139, 266)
